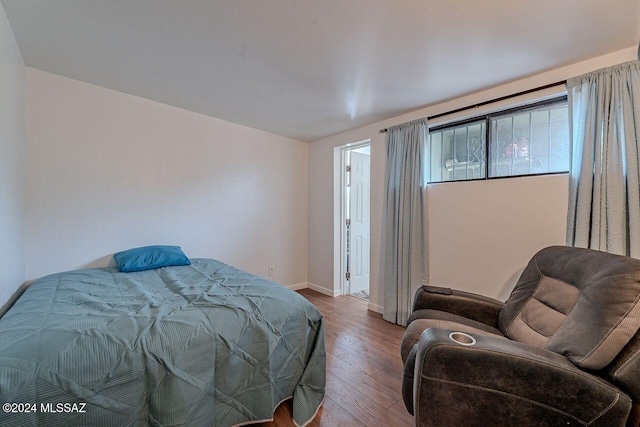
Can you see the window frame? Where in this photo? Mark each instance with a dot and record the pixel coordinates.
(487, 121)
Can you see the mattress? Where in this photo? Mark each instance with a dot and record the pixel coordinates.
(199, 345)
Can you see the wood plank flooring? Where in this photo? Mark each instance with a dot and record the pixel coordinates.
(364, 369)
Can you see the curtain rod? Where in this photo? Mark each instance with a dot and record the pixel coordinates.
(491, 101)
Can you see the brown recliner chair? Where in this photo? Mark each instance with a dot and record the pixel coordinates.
(564, 349)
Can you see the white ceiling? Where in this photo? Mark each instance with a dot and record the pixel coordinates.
(308, 69)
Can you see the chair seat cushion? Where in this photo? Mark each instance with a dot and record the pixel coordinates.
(420, 320)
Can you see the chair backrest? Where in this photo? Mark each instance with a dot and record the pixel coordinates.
(580, 303)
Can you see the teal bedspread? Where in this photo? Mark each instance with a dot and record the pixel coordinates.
(199, 345)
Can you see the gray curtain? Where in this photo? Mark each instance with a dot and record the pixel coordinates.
(405, 220)
(604, 193)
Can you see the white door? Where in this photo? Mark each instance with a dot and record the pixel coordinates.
(359, 211)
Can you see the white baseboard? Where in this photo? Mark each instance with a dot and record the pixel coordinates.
(332, 293)
(314, 287)
(336, 293)
(298, 286)
(375, 307)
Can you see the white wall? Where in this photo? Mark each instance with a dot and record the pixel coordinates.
(501, 234)
(107, 171)
(12, 140)
(482, 233)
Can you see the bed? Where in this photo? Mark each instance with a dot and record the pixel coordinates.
(203, 344)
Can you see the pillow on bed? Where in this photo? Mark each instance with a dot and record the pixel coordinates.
(149, 257)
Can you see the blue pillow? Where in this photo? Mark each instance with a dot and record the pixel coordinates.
(149, 257)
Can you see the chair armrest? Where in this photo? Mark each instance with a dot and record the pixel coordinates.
(496, 381)
(466, 304)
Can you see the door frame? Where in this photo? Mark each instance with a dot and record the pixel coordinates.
(340, 219)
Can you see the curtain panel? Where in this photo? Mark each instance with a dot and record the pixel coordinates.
(405, 221)
(604, 191)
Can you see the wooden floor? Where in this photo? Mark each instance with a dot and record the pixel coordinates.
(364, 369)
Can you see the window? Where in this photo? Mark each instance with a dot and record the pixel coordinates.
(528, 140)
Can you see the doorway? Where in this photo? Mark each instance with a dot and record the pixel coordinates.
(355, 248)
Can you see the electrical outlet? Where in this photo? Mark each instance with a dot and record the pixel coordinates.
(270, 270)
